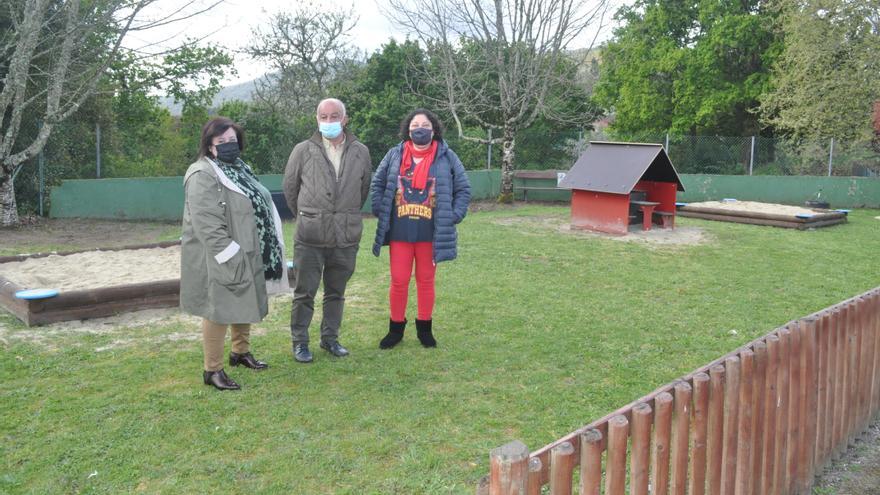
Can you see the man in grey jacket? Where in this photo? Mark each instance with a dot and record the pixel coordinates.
(326, 183)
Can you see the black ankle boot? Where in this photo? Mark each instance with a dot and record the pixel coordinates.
(395, 334)
(423, 329)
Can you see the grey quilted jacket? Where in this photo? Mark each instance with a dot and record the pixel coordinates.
(327, 209)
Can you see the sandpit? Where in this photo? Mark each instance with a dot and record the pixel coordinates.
(754, 206)
(92, 283)
(95, 269)
(757, 213)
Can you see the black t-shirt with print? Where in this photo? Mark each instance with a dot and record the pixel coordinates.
(413, 216)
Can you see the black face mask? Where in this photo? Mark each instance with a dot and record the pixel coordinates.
(228, 152)
(421, 136)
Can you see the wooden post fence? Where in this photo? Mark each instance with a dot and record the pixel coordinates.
(764, 419)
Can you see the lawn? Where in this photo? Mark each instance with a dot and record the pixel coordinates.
(540, 331)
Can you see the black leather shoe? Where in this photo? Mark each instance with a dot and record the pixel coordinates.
(335, 348)
(219, 380)
(302, 353)
(247, 360)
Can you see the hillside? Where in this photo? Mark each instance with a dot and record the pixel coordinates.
(242, 91)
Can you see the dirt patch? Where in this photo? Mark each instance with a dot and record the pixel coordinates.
(680, 236)
(857, 472)
(75, 234)
(95, 269)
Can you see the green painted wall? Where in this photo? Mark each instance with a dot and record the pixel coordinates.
(840, 192)
(485, 184)
(161, 198)
(154, 198)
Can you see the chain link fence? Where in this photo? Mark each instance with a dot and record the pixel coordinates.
(82, 150)
(757, 155)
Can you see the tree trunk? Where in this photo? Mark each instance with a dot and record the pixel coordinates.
(8, 210)
(508, 144)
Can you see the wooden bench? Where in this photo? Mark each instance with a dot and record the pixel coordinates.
(667, 219)
(533, 174)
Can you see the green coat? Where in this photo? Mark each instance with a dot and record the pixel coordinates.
(221, 267)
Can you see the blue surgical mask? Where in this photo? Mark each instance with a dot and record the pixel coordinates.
(421, 136)
(330, 130)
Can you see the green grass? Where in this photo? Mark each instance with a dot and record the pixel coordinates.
(540, 332)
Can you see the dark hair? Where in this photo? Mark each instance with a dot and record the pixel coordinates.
(216, 127)
(435, 123)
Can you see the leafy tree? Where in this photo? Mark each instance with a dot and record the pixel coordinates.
(54, 57)
(828, 76)
(381, 93)
(688, 67)
(269, 135)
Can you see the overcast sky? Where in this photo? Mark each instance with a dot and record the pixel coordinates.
(230, 25)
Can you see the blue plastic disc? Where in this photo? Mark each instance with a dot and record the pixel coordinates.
(804, 215)
(36, 293)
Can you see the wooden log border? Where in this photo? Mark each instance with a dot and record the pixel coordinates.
(759, 218)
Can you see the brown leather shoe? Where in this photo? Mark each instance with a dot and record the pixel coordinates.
(219, 380)
(247, 360)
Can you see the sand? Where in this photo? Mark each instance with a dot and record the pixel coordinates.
(754, 206)
(95, 269)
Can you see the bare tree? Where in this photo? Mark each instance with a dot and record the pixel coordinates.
(51, 60)
(500, 64)
(305, 50)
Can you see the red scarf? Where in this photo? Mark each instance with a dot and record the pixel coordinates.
(420, 174)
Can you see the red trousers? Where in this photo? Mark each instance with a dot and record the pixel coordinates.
(403, 256)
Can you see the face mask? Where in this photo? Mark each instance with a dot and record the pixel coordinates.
(421, 136)
(228, 152)
(330, 130)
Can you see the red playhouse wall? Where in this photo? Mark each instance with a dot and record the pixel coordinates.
(661, 192)
(604, 212)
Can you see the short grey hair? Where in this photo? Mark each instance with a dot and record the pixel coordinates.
(331, 100)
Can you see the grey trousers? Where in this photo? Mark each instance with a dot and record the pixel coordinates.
(335, 266)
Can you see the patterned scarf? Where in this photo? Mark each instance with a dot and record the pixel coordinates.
(242, 176)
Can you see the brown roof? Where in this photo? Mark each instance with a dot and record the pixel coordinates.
(617, 167)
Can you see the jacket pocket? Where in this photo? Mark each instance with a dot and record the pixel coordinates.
(354, 227)
(309, 227)
(232, 274)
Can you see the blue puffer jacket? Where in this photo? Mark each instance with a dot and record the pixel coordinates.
(453, 196)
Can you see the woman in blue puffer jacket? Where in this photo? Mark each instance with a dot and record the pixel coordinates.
(420, 192)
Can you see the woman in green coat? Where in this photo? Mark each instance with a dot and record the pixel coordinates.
(232, 252)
